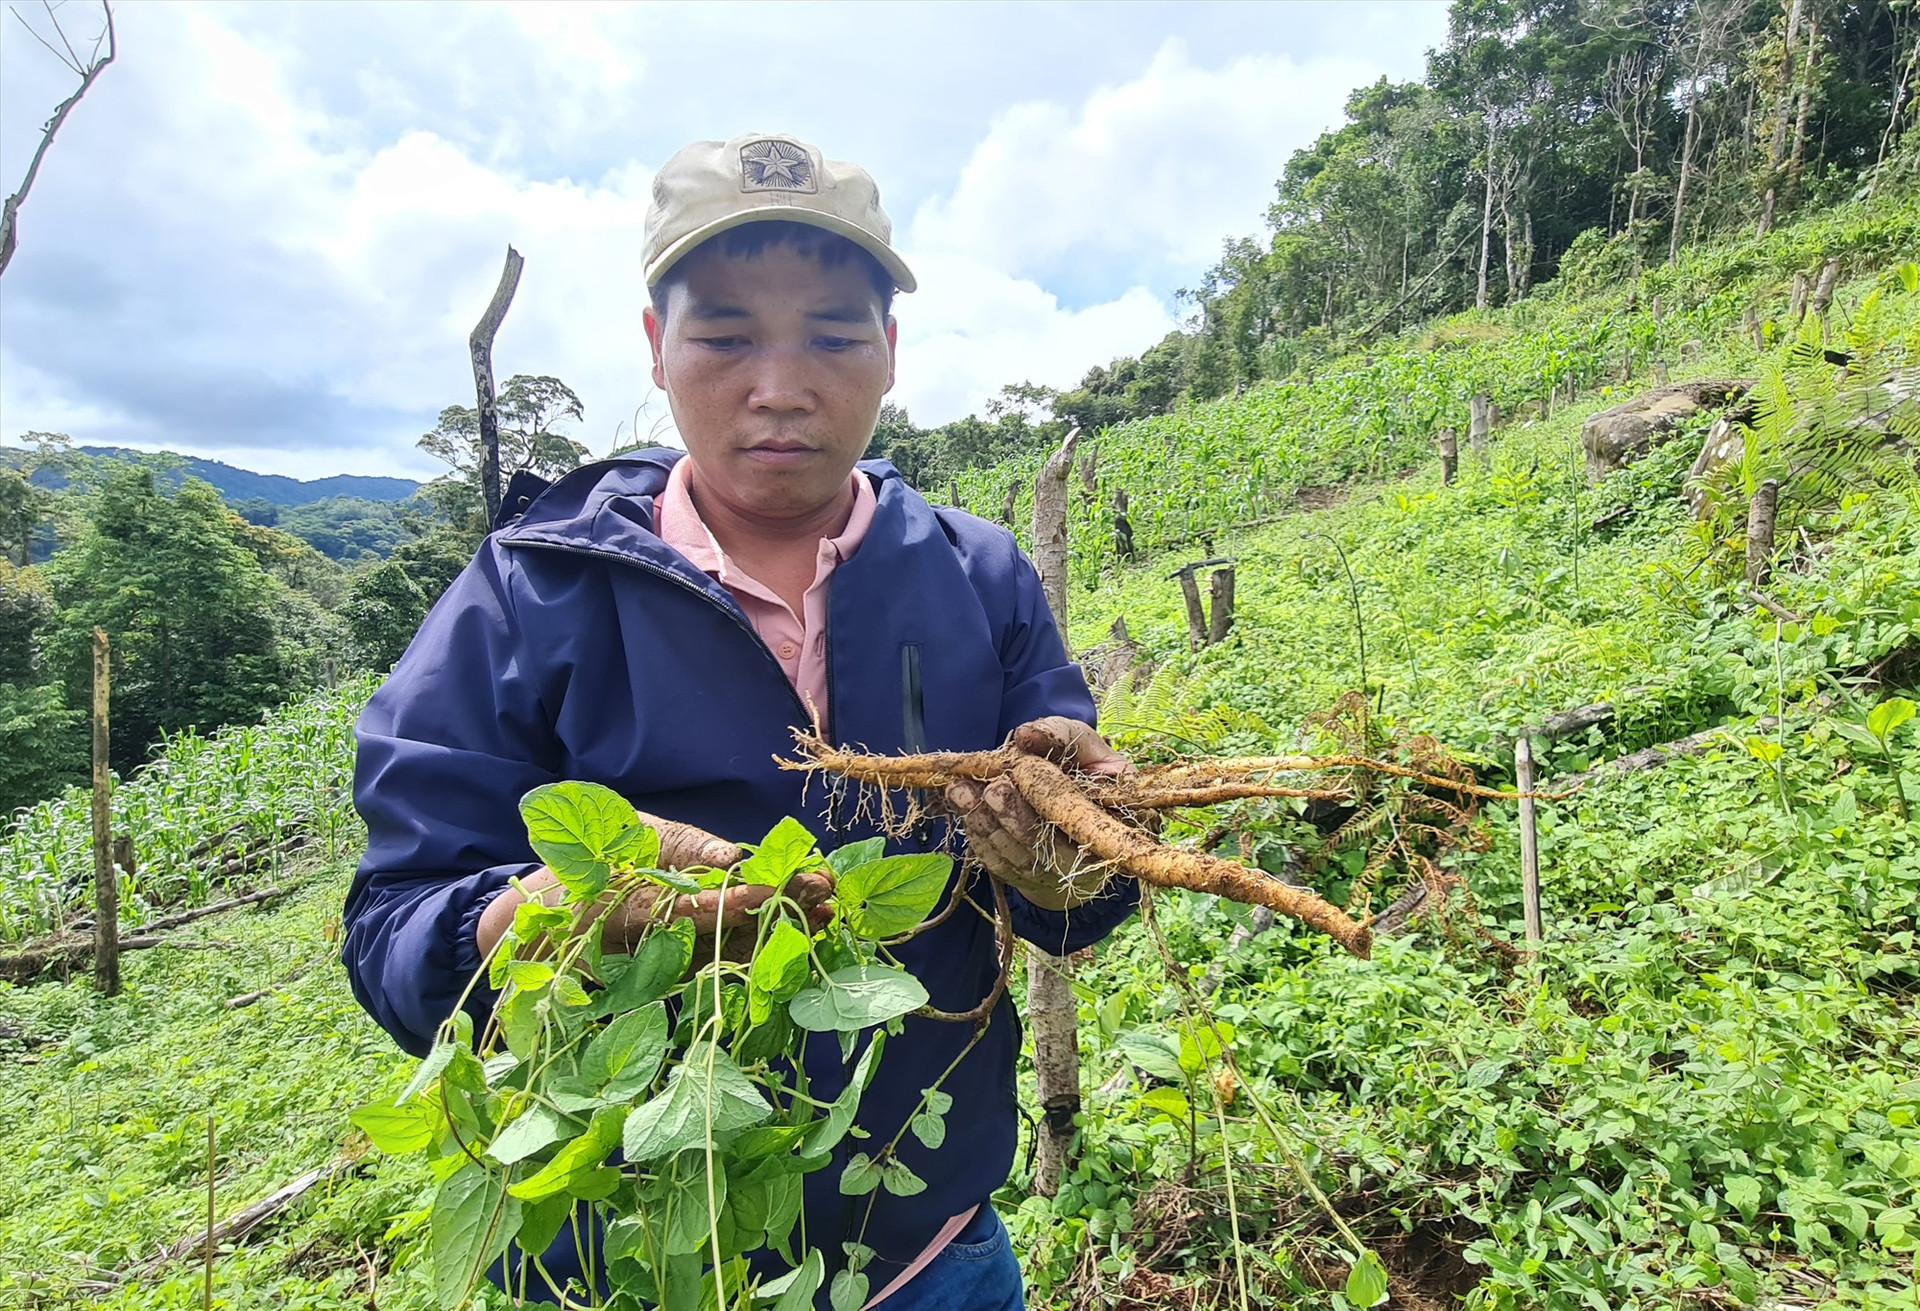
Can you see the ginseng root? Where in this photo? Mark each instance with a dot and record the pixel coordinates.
(1092, 812)
(1062, 803)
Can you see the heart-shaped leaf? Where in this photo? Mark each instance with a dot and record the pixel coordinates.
(855, 998)
(888, 897)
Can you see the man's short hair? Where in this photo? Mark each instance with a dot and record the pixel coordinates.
(829, 250)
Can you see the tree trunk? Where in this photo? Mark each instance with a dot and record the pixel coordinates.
(1761, 512)
(106, 882)
(1529, 844)
(1686, 173)
(1051, 1012)
(1893, 112)
(1090, 475)
(1797, 157)
(1486, 221)
(1479, 426)
(1798, 309)
(1448, 439)
(1122, 526)
(480, 347)
(1049, 544)
(1825, 285)
(1777, 144)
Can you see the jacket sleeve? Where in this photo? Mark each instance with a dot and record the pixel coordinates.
(447, 747)
(1041, 681)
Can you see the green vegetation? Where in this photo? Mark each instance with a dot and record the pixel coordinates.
(217, 612)
(1702, 1092)
(1707, 1091)
(1552, 143)
(205, 795)
(711, 1114)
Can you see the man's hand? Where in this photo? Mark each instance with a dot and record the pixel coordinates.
(681, 846)
(1015, 844)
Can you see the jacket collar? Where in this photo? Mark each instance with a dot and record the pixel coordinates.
(607, 507)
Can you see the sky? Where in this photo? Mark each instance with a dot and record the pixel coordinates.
(265, 234)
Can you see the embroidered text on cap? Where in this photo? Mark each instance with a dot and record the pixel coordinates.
(775, 166)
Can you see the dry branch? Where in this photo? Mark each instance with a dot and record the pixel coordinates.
(231, 1230)
(261, 994)
(201, 912)
(480, 349)
(1657, 755)
(73, 948)
(88, 71)
(1249, 772)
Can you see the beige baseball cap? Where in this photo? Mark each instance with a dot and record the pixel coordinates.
(711, 186)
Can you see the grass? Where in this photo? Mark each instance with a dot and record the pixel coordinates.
(1706, 1094)
(104, 1106)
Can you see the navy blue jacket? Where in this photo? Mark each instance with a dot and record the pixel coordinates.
(578, 645)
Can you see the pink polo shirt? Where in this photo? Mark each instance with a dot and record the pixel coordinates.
(798, 642)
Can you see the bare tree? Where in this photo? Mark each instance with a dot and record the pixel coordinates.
(1631, 95)
(1713, 24)
(1910, 32)
(88, 69)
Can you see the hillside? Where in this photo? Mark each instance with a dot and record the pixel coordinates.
(236, 484)
(1705, 1090)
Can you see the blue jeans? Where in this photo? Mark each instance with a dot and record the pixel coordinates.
(977, 1271)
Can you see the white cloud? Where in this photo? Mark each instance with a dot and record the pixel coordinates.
(1141, 182)
(1162, 166)
(971, 329)
(267, 236)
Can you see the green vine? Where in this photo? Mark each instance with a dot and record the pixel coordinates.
(690, 1069)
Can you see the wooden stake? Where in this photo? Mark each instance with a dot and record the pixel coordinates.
(480, 347)
(1529, 842)
(1052, 1013)
(1479, 426)
(1049, 545)
(1824, 286)
(1449, 443)
(106, 882)
(1220, 587)
(1798, 308)
(1761, 513)
(1196, 615)
(206, 1294)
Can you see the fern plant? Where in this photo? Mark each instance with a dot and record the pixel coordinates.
(1164, 710)
(1833, 415)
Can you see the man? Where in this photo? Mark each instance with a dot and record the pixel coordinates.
(663, 624)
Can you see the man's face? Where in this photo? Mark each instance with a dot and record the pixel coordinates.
(774, 368)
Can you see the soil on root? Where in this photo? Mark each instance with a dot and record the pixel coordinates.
(1425, 1269)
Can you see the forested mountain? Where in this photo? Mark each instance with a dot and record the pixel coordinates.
(237, 485)
(1549, 139)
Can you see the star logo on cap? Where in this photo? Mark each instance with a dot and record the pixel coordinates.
(775, 166)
